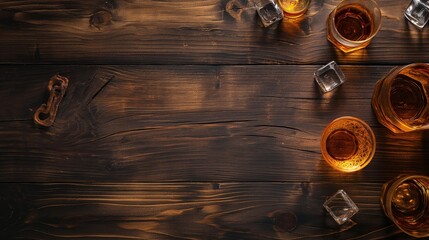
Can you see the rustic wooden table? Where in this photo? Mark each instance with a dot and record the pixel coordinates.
(188, 120)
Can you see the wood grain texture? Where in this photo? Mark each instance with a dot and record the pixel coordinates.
(191, 123)
(186, 211)
(189, 32)
(214, 137)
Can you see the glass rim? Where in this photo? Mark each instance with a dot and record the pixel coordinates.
(369, 38)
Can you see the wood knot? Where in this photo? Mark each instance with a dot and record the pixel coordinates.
(235, 8)
(110, 4)
(285, 222)
(101, 18)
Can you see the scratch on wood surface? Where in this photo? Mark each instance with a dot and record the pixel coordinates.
(302, 150)
(258, 135)
(146, 226)
(16, 120)
(102, 87)
(218, 80)
(129, 131)
(114, 134)
(36, 52)
(279, 126)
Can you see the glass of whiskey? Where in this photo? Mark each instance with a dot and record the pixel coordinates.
(329, 77)
(353, 24)
(341, 207)
(294, 8)
(400, 99)
(418, 12)
(269, 12)
(348, 144)
(405, 200)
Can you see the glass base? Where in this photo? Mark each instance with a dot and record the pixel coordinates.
(343, 48)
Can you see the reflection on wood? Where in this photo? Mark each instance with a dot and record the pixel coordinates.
(186, 211)
(191, 123)
(189, 32)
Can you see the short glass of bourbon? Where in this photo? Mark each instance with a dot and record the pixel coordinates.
(400, 99)
(348, 144)
(405, 200)
(353, 23)
(294, 8)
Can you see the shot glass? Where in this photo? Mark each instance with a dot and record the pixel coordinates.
(418, 12)
(353, 24)
(294, 8)
(405, 200)
(341, 207)
(348, 144)
(269, 12)
(400, 99)
(329, 77)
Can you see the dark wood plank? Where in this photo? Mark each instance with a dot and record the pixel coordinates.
(190, 123)
(186, 211)
(186, 32)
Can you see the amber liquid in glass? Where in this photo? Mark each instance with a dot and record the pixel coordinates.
(410, 203)
(353, 22)
(400, 99)
(294, 8)
(341, 145)
(347, 144)
(407, 98)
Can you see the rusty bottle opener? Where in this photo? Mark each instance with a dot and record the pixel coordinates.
(45, 114)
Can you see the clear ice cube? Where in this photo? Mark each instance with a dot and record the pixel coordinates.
(329, 77)
(269, 12)
(341, 207)
(418, 12)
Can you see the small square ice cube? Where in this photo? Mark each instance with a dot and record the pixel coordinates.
(341, 207)
(329, 76)
(418, 12)
(269, 12)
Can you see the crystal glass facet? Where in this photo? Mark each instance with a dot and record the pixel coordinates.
(418, 12)
(341, 207)
(329, 77)
(269, 12)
